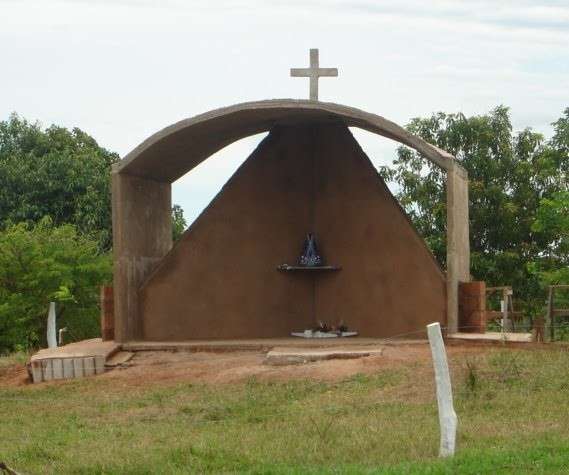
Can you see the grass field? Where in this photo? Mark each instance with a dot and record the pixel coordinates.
(512, 406)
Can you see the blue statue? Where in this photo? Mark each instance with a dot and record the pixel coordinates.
(310, 256)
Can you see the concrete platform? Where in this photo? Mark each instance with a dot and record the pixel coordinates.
(75, 360)
(493, 336)
(285, 356)
(262, 344)
(90, 357)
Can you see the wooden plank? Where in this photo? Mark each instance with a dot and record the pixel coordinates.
(496, 289)
(7, 470)
(496, 315)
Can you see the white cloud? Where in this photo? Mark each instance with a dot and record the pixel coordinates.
(122, 69)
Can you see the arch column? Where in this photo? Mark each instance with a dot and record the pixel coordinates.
(458, 241)
(142, 235)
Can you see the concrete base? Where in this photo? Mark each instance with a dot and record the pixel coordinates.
(75, 360)
(262, 344)
(493, 336)
(90, 357)
(287, 356)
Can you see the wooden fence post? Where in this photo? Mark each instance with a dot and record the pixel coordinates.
(472, 307)
(549, 320)
(107, 313)
(447, 417)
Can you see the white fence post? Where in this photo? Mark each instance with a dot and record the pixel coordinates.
(447, 417)
(51, 333)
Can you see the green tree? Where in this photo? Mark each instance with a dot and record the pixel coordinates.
(55, 184)
(552, 221)
(178, 222)
(56, 172)
(40, 263)
(510, 174)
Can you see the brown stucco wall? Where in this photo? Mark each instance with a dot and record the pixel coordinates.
(220, 280)
(390, 283)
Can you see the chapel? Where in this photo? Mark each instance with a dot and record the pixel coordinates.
(305, 232)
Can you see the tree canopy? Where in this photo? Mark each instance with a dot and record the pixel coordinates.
(515, 179)
(178, 222)
(60, 173)
(55, 230)
(56, 172)
(43, 262)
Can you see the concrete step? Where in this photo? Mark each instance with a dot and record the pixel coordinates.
(118, 359)
(75, 360)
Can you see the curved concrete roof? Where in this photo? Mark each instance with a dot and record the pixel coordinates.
(173, 151)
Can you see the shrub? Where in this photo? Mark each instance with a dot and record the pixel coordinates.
(40, 263)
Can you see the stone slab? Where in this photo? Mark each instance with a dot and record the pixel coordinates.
(119, 358)
(92, 347)
(287, 356)
(493, 336)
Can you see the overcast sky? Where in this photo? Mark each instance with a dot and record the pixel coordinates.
(123, 69)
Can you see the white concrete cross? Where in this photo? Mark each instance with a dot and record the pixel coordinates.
(314, 72)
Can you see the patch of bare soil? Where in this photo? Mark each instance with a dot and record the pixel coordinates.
(164, 367)
(15, 375)
(218, 368)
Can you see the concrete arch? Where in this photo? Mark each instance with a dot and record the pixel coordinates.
(173, 151)
(142, 188)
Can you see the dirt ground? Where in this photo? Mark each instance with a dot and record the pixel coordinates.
(167, 367)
